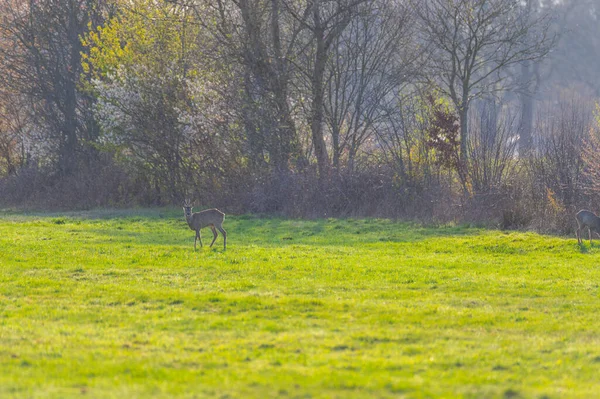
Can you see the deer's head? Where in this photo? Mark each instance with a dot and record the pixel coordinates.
(187, 209)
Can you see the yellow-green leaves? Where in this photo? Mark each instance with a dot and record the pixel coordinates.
(150, 36)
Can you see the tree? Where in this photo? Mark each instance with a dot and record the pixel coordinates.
(15, 126)
(591, 155)
(44, 64)
(373, 58)
(257, 38)
(472, 43)
(532, 76)
(557, 164)
(574, 61)
(325, 21)
(278, 43)
(140, 63)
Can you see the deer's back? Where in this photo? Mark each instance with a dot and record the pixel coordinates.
(588, 218)
(208, 217)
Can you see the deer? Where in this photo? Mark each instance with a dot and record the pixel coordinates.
(587, 219)
(212, 218)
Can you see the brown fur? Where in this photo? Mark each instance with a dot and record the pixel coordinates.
(212, 218)
(587, 219)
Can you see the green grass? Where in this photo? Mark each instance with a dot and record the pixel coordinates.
(118, 305)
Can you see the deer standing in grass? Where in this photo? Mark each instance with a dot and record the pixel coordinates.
(212, 218)
(589, 220)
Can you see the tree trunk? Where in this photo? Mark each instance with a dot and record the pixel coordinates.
(69, 142)
(318, 96)
(464, 131)
(335, 142)
(286, 127)
(271, 123)
(526, 99)
(489, 122)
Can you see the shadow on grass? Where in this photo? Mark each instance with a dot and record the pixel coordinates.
(339, 231)
(96, 214)
(266, 232)
(166, 227)
(583, 249)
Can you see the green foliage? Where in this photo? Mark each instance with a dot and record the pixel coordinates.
(118, 304)
(145, 37)
(144, 63)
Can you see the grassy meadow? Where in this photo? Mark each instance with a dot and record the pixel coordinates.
(117, 304)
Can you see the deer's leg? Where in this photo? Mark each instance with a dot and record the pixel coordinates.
(199, 236)
(224, 236)
(578, 235)
(214, 235)
(590, 234)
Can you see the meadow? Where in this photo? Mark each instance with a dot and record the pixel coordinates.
(117, 304)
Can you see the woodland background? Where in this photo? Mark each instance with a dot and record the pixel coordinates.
(478, 111)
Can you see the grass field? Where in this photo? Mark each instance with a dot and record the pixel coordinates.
(118, 305)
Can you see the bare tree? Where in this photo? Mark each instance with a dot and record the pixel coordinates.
(558, 163)
(473, 42)
(373, 58)
(574, 62)
(44, 63)
(533, 76)
(258, 37)
(591, 156)
(15, 126)
(492, 148)
(326, 20)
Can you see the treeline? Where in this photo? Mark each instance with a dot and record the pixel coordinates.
(467, 110)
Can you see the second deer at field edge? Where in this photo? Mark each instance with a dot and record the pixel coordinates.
(587, 219)
(212, 218)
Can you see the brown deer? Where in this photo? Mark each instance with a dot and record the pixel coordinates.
(212, 218)
(587, 219)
